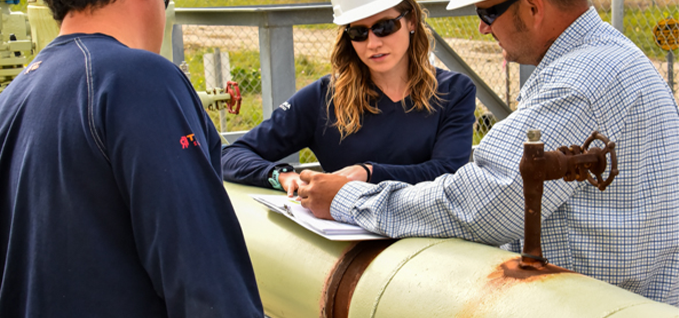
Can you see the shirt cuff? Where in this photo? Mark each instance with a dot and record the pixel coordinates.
(342, 206)
(377, 175)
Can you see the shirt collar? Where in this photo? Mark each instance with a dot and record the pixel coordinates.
(569, 39)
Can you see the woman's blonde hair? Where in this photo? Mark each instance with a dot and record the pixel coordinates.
(350, 84)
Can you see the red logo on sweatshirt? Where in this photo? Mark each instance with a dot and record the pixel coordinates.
(188, 139)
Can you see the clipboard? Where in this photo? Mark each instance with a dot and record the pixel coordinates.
(329, 229)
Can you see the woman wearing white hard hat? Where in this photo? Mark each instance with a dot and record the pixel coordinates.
(384, 113)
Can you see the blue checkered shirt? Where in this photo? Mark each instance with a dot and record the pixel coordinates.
(591, 78)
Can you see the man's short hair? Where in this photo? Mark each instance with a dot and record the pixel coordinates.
(60, 8)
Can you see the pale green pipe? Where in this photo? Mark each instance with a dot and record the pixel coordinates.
(43, 26)
(420, 277)
(166, 47)
(291, 264)
(416, 277)
(213, 100)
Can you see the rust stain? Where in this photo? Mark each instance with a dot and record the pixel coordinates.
(331, 280)
(511, 270)
(505, 276)
(342, 280)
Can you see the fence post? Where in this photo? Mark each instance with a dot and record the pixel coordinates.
(524, 73)
(670, 70)
(177, 44)
(277, 61)
(617, 15)
(217, 72)
(507, 83)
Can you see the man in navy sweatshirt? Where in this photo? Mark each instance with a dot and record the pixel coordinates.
(111, 199)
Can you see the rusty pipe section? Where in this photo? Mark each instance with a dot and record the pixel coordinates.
(300, 274)
(346, 274)
(533, 171)
(427, 277)
(572, 163)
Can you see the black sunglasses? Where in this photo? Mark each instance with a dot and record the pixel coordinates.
(488, 15)
(380, 29)
(166, 3)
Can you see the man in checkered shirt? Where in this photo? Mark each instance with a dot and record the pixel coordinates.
(588, 77)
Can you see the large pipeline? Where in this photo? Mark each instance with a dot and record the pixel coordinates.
(301, 274)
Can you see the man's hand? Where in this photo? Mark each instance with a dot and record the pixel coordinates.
(355, 173)
(319, 191)
(290, 182)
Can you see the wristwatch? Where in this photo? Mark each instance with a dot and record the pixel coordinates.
(277, 170)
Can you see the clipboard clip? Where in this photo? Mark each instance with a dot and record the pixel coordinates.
(288, 210)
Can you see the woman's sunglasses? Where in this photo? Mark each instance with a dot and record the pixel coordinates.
(380, 29)
(488, 15)
(166, 3)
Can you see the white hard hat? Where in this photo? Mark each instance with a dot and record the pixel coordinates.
(454, 4)
(348, 11)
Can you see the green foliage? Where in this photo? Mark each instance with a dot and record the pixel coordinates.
(19, 7)
(639, 24)
(307, 70)
(459, 27)
(248, 78)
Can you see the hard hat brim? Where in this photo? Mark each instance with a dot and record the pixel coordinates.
(456, 4)
(365, 11)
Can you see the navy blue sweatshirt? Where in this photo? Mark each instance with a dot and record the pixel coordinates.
(406, 146)
(111, 200)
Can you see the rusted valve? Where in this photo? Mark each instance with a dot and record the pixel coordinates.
(570, 163)
(217, 98)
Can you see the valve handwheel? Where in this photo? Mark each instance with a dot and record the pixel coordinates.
(235, 97)
(609, 147)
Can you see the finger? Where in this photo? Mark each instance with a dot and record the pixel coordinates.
(304, 202)
(302, 191)
(306, 175)
(292, 188)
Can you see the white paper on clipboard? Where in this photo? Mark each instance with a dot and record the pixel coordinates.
(331, 230)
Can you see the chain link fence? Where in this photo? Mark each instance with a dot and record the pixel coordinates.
(640, 18)
(312, 45)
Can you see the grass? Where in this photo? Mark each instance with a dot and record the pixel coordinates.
(638, 27)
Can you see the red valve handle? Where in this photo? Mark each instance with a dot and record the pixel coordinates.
(235, 98)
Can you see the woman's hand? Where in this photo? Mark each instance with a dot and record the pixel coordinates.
(290, 182)
(355, 172)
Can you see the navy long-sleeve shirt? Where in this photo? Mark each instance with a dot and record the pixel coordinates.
(111, 200)
(407, 146)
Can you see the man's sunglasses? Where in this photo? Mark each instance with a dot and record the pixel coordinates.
(488, 15)
(381, 29)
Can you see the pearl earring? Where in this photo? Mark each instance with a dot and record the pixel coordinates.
(412, 31)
